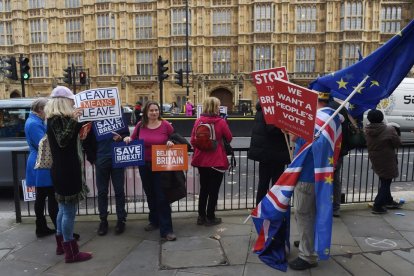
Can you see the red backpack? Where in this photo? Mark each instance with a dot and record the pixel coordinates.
(205, 137)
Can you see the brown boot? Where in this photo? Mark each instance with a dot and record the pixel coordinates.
(59, 245)
(72, 253)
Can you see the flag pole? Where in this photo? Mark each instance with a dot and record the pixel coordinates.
(341, 106)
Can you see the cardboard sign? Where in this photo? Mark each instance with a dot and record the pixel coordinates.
(174, 158)
(29, 193)
(264, 81)
(293, 108)
(98, 104)
(124, 155)
(106, 128)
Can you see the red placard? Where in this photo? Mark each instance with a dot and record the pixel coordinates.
(288, 106)
(263, 79)
(174, 158)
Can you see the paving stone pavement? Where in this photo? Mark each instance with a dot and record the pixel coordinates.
(362, 244)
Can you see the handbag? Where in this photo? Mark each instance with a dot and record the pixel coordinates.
(229, 152)
(173, 184)
(44, 154)
(356, 138)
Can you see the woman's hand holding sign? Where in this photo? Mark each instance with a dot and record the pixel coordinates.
(127, 140)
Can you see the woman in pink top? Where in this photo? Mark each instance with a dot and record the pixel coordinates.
(154, 131)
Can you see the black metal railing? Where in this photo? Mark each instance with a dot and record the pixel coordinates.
(238, 190)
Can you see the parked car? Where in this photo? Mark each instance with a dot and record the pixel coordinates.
(13, 115)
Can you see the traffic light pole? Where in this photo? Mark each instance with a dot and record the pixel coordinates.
(74, 78)
(21, 78)
(161, 97)
(186, 47)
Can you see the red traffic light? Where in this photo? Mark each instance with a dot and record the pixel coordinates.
(82, 77)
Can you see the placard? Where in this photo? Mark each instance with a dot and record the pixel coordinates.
(124, 155)
(263, 80)
(98, 104)
(105, 128)
(29, 193)
(174, 158)
(292, 108)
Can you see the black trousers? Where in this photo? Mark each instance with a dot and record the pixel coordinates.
(384, 193)
(210, 181)
(52, 206)
(268, 171)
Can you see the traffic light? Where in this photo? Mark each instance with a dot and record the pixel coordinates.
(11, 68)
(179, 77)
(67, 76)
(162, 69)
(82, 77)
(24, 68)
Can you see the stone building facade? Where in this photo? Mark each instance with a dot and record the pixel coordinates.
(117, 43)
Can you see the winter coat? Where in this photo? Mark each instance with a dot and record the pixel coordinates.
(382, 140)
(189, 109)
(35, 129)
(218, 157)
(268, 143)
(66, 171)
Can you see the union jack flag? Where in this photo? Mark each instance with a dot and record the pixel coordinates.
(271, 217)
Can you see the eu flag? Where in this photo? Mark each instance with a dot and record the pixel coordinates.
(386, 67)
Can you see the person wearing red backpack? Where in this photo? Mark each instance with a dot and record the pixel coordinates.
(210, 158)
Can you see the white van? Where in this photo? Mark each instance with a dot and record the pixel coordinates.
(399, 109)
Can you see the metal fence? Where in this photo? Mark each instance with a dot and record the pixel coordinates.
(238, 190)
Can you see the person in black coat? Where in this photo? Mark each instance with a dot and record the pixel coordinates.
(268, 146)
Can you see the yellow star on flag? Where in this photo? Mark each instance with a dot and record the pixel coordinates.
(331, 160)
(342, 84)
(374, 82)
(328, 179)
(399, 33)
(358, 90)
(351, 106)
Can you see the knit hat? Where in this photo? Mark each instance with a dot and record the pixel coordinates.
(375, 116)
(62, 92)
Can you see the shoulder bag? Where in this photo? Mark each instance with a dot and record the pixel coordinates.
(44, 154)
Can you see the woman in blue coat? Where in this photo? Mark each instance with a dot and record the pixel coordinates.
(35, 129)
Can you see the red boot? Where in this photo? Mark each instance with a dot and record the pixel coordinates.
(72, 253)
(59, 245)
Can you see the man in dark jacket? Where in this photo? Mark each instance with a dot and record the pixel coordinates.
(98, 152)
(268, 146)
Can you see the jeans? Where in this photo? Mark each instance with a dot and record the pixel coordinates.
(210, 181)
(384, 193)
(337, 184)
(66, 220)
(52, 206)
(268, 171)
(104, 172)
(158, 204)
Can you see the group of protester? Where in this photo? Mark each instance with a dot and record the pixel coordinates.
(270, 148)
(64, 184)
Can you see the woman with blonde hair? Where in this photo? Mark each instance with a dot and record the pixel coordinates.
(212, 163)
(66, 172)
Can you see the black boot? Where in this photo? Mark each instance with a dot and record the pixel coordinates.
(41, 228)
(103, 228)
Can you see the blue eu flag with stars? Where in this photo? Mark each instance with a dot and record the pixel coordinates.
(386, 67)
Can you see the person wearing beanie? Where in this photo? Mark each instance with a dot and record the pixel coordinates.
(66, 172)
(382, 141)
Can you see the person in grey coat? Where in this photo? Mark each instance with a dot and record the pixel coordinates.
(268, 146)
(382, 140)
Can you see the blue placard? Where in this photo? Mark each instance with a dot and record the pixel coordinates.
(103, 129)
(124, 155)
